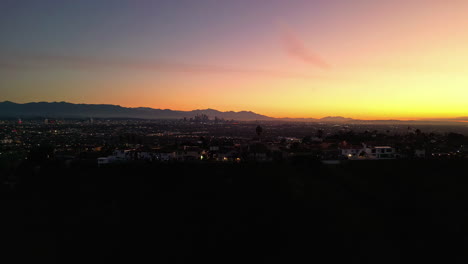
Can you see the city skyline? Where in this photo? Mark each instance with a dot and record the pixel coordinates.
(63, 109)
(298, 59)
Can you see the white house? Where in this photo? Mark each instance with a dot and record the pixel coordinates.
(365, 152)
(351, 151)
(382, 152)
(420, 153)
(103, 160)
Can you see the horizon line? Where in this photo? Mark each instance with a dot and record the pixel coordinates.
(458, 119)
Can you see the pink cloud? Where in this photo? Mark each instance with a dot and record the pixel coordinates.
(296, 48)
(95, 63)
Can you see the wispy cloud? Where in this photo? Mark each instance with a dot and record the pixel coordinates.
(296, 48)
(13, 66)
(31, 61)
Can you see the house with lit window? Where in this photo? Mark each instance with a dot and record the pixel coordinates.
(365, 152)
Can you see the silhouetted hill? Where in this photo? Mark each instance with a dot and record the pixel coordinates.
(337, 119)
(242, 115)
(69, 110)
(359, 212)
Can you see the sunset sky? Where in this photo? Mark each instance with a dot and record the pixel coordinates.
(364, 59)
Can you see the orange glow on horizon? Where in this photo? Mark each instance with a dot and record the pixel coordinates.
(366, 60)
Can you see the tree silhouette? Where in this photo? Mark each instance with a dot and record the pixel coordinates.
(259, 131)
(319, 133)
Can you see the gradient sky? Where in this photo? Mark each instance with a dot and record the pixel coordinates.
(363, 59)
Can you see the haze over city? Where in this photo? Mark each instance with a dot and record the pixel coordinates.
(360, 59)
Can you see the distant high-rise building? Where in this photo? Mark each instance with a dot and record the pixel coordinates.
(46, 121)
(91, 120)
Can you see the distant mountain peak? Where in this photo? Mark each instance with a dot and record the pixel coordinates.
(70, 110)
(63, 109)
(335, 119)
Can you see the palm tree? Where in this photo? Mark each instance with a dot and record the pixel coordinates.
(259, 131)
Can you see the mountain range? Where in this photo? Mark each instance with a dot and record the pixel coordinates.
(69, 110)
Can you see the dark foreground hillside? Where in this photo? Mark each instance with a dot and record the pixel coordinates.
(377, 212)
